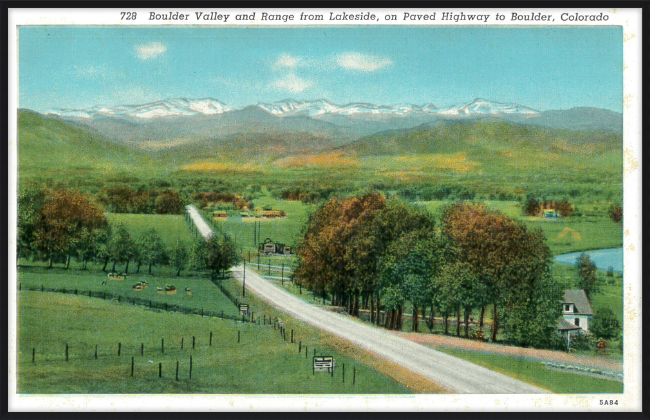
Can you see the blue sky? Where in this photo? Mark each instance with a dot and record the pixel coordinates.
(542, 68)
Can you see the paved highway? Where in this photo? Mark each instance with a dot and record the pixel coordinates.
(450, 372)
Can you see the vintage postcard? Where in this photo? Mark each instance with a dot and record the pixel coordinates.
(325, 210)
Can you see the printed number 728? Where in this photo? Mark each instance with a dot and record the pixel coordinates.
(128, 15)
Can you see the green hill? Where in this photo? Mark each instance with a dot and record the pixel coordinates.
(481, 138)
(48, 144)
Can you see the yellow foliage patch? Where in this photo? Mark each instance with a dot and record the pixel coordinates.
(568, 231)
(456, 162)
(218, 167)
(322, 160)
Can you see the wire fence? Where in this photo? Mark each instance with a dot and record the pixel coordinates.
(163, 306)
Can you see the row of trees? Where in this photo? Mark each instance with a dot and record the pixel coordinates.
(140, 200)
(60, 225)
(534, 207)
(382, 254)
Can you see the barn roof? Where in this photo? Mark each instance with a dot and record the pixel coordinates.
(579, 298)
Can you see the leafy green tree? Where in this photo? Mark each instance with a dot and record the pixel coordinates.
(531, 207)
(605, 324)
(30, 205)
(121, 248)
(587, 274)
(152, 249)
(505, 256)
(178, 257)
(89, 245)
(168, 202)
(533, 321)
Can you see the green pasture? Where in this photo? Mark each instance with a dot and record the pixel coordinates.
(536, 374)
(170, 227)
(260, 363)
(204, 294)
(285, 230)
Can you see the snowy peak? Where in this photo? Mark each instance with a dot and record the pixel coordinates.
(484, 107)
(320, 107)
(177, 107)
(180, 107)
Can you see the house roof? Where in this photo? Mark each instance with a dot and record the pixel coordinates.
(563, 325)
(578, 298)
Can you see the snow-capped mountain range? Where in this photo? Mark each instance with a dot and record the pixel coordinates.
(290, 107)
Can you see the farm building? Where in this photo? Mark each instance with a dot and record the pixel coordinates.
(576, 313)
(220, 215)
(551, 214)
(269, 247)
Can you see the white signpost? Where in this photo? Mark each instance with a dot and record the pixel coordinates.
(323, 364)
(243, 308)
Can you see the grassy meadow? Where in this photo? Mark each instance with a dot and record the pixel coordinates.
(204, 294)
(260, 363)
(170, 227)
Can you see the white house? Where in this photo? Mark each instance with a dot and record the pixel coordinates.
(576, 313)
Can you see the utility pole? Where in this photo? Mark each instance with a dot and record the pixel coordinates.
(243, 289)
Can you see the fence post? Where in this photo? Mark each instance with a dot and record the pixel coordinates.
(291, 336)
(95, 351)
(343, 369)
(160, 370)
(177, 370)
(119, 348)
(132, 363)
(238, 336)
(282, 274)
(354, 375)
(182, 342)
(193, 342)
(142, 349)
(306, 351)
(66, 352)
(210, 337)
(162, 345)
(299, 346)
(190, 367)
(33, 355)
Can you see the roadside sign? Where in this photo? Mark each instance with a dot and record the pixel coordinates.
(243, 308)
(323, 363)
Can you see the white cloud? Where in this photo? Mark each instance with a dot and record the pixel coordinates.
(150, 50)
(362, 62)
(287, 60)
(292, 83)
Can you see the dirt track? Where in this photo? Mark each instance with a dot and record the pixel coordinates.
(433, 341)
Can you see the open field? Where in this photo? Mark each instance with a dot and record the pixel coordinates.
(261, 363)
(286, 230)
(204, 293)
(170, 227)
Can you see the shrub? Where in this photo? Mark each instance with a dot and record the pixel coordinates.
(605, 324)
(616, 213)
